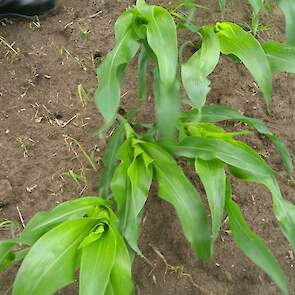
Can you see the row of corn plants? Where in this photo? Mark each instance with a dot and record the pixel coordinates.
(99, 235)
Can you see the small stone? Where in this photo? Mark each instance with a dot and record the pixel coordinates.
(39, 119)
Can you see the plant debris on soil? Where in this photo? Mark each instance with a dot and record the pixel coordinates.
(49, 126)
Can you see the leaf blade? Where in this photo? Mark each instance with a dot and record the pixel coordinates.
(288, 8)
(202, 63)
(44, 221)
(217, 113)
(213, 178)
(253, 247)
(111, 71)
(50, 264)
(162, 40)
(234, 40)
(281, 56)
(208, 149)
(109, 160)
(121, 278)
(97, 261)
(175, 188)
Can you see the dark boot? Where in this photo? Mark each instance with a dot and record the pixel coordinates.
(25, 8)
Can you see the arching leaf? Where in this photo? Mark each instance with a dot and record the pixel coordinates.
(177, 190)
(234, 40)
(51, 262)
(196, 70)
(253, 247)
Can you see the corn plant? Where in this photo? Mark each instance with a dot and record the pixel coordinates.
(211, 151)
(287, 7)
(79, 234)
(86, 235)
(151, 31)
(261, 60)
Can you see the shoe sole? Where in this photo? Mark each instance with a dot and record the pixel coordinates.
(29, 17)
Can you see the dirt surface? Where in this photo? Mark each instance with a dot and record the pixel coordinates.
(40, 107)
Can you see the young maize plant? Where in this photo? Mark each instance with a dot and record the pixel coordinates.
(76, 234)
(261, 60)
(151, 31)
(212, 151)
(287, 7)
(86, 235)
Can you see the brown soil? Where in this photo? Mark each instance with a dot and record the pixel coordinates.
(38, 93)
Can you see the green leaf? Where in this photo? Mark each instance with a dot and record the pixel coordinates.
(222, 6)
(111, 71)
(257, 5)
(140, 176)
(175, 188)
(6, 255)
(142, 73)
(218, 113)
(280, 56)
(120, 184)
(44, 221)
(110, 160)
(288, 8)
(196, 70)
(212, 131)
(284, 210)
(209, 149)
(212, 176)
(97, 261)
(161, 38)
(253, 247)
(234, 40)
(93, 236)
(51, 262)
(121, 279)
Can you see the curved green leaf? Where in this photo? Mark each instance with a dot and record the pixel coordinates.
(120, 184)
(175, 188)
(51, 262)
(253, 247)
(234, 40)
(97, 261)
(9, 257)
(212, 176)
(161, 38)
(44, 221)
(6, 254)
(218, 113)
(112, 70)
(209, 149)
(280, 56)
(140, 176)
(121, 279)
(288, 8)
(110, 160)
(284, 210)
(196, 70)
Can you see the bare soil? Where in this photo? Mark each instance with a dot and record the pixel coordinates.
(40, 106)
